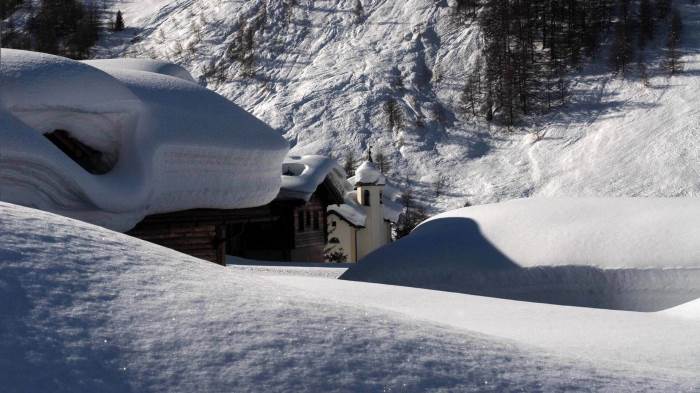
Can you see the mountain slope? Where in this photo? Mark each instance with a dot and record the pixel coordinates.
(323, 72)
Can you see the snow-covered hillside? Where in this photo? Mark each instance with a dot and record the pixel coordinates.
(322, 74)
(85, 309)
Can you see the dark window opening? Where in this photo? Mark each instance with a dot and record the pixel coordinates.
(381, 198)
(334, 224)
(317, 224)
(334, 240)
(365, 198)
(88, 158)
(300, 221)
(308, 218)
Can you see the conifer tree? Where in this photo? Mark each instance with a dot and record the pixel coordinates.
(663, 8)
(350, 163)
(65, 27)
(646, 23)
(119, 22)
(622, 50)
(358, 11)
(673, 56)
(382, 162)
(394, 116)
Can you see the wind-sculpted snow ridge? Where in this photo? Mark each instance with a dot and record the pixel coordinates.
(162, 144)
(85, 309)
(632, 254)
(147, 65)
(323, 73)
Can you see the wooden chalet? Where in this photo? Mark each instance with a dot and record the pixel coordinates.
(293, 227)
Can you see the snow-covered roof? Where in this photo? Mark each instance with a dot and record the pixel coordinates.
(301, 176)
(368, 173)
(148, 65)
(352, 212)
(176, 145)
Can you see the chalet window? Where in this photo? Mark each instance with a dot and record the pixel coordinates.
(308, 218)
(334, 224)
(317, 226)
(300, 221)
(334, 240)
(93, 161)
(365, 197)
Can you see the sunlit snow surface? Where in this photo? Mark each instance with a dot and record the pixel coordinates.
(85, 309)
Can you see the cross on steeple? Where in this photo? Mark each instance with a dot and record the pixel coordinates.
(369, 154)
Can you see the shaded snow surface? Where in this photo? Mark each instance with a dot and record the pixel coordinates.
(85, 309)
(636, 254)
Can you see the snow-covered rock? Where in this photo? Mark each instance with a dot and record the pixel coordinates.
(85, 309)
(168, 144)
(638, 254)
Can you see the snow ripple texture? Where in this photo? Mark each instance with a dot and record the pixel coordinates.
(85, 309)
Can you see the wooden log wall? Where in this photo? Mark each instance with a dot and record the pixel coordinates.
(198, 232)
(310, 237)
(198, 240)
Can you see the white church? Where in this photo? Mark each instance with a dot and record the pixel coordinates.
(363, 223)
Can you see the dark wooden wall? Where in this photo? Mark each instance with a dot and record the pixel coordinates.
(269, 240)
(271, 232)
(198, 240)
(310, 231)
(201, 233)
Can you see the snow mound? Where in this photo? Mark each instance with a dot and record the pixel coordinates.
(167, 144)
(633, 254)
(88, 310)
(147, 65)
(690, 310)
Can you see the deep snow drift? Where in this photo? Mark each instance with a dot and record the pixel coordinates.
(323, 75)
(634, 254)
(168, 144)
(85, 309)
